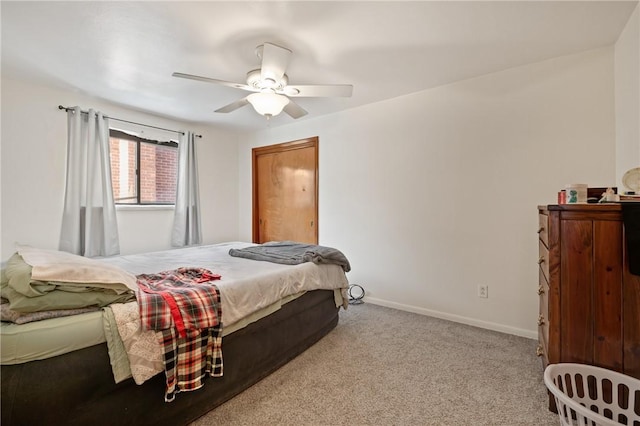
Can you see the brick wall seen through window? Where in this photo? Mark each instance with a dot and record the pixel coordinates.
(157, 166)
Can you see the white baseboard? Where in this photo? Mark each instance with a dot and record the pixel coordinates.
(455, 318)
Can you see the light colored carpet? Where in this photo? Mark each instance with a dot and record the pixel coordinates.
(382, 366)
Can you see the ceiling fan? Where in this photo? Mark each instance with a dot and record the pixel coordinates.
(270, 86)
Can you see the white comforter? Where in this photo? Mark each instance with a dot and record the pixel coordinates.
(246, 287)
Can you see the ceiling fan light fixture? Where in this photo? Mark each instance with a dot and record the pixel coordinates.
(270, 86)
(255, 80)
(266, 103)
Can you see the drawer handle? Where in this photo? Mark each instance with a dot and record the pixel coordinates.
(540, 289)
(541, 260)
(541, 229)
(539, 351)
(541, 320)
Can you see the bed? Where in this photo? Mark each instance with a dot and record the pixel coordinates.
(71, 380)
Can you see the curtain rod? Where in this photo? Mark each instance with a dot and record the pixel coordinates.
(60, 107)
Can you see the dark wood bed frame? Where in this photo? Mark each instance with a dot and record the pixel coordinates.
(78, 388)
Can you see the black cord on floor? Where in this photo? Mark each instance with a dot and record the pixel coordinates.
(355, 298)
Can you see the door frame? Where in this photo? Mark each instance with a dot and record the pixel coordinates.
(311, 142)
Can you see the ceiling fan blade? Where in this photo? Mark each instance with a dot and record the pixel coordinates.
(215, 81)
(294, 110)
(274, 61)
(319, 91)
(233, 105)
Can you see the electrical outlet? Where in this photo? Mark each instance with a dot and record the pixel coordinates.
(483, 291)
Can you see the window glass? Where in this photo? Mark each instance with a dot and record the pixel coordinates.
(123, 170)
(142, 172)
(159, 173)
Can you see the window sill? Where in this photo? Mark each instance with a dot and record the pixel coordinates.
(150, 207)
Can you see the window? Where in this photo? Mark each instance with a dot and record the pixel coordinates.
(143, 171)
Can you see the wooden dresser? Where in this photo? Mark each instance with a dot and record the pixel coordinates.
(589, 301)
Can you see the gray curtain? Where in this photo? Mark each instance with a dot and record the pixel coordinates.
(186, 222)
(89, 226)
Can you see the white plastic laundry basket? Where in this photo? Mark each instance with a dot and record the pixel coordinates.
(589, 395)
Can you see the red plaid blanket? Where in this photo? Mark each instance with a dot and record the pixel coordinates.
(185, 306)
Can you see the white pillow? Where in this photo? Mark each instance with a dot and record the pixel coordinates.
(60, 266)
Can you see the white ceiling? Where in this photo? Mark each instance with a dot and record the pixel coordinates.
(125, 52)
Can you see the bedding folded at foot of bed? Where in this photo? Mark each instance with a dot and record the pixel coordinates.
(293, 253)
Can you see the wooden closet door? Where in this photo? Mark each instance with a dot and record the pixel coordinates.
(285, 192)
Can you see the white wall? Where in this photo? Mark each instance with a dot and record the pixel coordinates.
(433, 193)
(627, 95)
(428, 194)
(33, 159)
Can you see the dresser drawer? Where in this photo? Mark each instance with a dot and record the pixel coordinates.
(543, 310)
(541, 349)
(543, 228)
(543, 292)
(543, 259)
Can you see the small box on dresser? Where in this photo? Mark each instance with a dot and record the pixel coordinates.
(589, 301)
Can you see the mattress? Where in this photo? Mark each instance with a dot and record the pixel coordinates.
(78, 388)
(249, 289)
(48, 338)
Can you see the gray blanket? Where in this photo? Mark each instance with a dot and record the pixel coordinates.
(292, 253)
